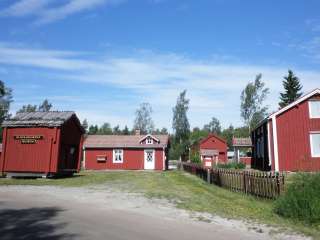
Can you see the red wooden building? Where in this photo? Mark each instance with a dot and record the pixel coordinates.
(126, 152)
(212, 150)
(289, 139)
(41, 144)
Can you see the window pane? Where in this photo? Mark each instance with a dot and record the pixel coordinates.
(315, 109)
(315, 141)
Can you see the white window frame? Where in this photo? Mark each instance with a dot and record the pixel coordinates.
(309, 104)
(114, 158)
(149, 140)
(311, 144)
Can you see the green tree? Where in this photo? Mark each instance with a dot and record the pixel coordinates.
(292, 89)
(126, 131)
(213, 126)
(116, 130)
(27, 108)
(45, 106)
(252, 98)
(143, 120)
(93, 129)
(197, 134)
(105, 129)
(164, 131)
(5, 101)
(180, 125)
(85, 124)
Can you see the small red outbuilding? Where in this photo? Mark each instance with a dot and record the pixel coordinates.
(133, 152)
(212, 150)
(289, 139)
(41, 144)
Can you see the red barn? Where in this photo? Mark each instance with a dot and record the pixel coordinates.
(212, 149)
(126, 152)
(41, 144)
(289, 139)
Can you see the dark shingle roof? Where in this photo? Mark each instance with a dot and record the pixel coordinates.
(39, 119)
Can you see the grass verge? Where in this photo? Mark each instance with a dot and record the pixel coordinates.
(187, 191)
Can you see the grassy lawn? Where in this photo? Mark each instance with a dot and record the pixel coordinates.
(187, 191)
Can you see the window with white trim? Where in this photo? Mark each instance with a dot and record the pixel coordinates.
(314, 109)
(117, 156)
(149, 140)
(315, 144)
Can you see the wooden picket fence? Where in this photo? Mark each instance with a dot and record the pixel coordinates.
(261, 184)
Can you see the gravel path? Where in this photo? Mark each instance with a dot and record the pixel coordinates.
(102, 212)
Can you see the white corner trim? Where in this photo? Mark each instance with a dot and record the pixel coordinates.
(84, 158)
(269, 142)
(163, 160)
(275, 143)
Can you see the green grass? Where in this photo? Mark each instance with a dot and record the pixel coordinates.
(187, 191)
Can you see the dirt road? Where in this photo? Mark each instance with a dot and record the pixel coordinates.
(28, 212)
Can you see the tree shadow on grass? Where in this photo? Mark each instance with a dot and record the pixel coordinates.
(32, 223)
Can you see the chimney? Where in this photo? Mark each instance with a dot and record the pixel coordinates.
(137, 131)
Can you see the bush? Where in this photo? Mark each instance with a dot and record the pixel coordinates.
(301, 201)
(232, 165)
(195, 158)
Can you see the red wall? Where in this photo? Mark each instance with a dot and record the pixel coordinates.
(293, 129)
(49, 155)
(212, 142)
(17, 157)
(133, 159)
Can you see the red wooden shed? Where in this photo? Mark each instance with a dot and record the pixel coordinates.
(212, 149)
(41, 144)
(133, 152)
(289, 139)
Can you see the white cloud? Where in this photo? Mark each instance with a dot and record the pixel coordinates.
(214, 88)
(24, 8)
(47, 11)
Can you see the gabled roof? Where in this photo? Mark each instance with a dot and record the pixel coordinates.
(241, 142)
(123, 141)
(212, 135)
(149, 135)
(40, 119)
(299, 100)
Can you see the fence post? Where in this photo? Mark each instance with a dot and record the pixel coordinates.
(244, 183)
(208, 176)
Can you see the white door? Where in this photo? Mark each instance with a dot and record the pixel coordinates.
(149, 161)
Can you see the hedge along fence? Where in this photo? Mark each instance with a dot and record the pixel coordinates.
(261, 184)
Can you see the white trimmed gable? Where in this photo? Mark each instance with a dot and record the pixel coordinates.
(149, 139)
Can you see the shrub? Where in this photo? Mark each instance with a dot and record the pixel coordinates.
(232, 165)
(301, 201)
(195, 158)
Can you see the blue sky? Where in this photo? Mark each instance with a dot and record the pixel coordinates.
(102, 58)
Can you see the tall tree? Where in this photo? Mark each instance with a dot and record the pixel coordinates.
(5, 100)
(126, 131)
(143, 120)
(85, 124)
(252, 99)
(27, 108)
(45, 106)
(213, 126)
(181, 127)
(116, 130)
(292, 89)
(180, 124)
